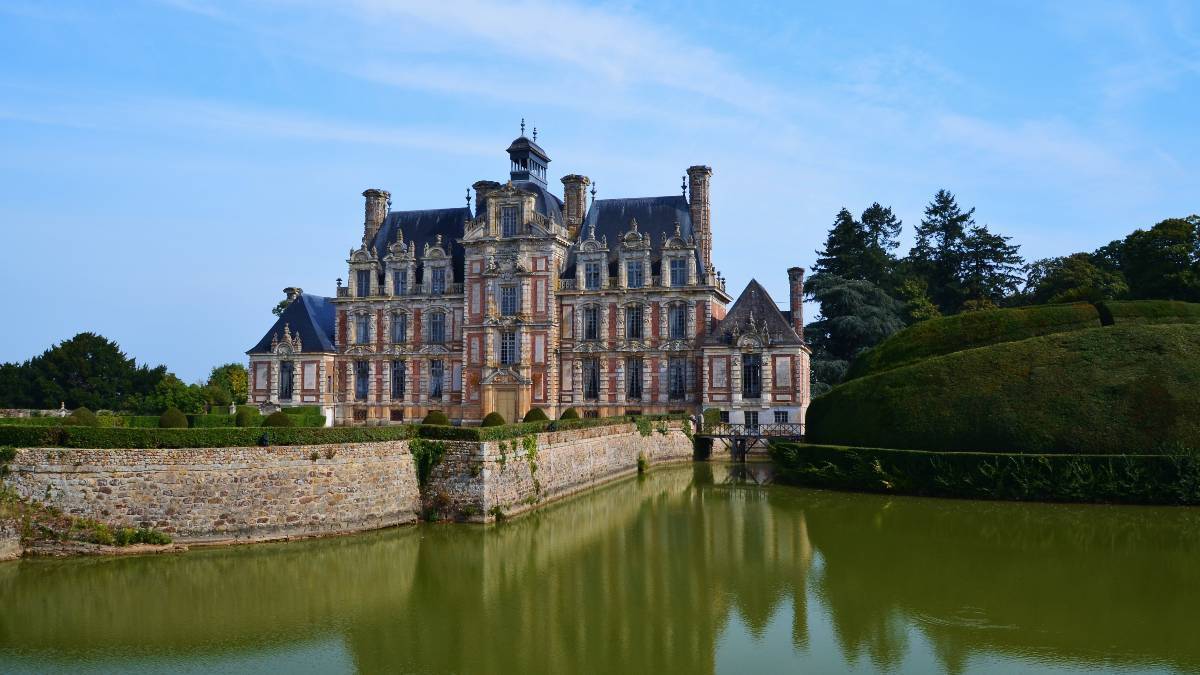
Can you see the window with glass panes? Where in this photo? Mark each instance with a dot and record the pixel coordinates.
(436, 373)
(508, 300)
(361, 380)
(751, 417)
(508, 221)
(781, 417)
(362, 283)
(591, 379)
(591, 276)
(751, 375)
(286, 373)
(591, 323)
(677, 320)
(508, 348)
(399, 327)
(634, 274)
(633, 378)
(678, 272)
(399, 377)
(362, 329)
(399, 282)
(437, 283)
(676, 378)
(633, 322)
(437, 327)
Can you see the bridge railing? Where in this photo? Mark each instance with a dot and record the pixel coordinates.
(727, 430)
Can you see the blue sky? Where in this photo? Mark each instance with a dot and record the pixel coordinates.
(167, 167)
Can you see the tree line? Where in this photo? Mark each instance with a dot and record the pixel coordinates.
(91, 371)
(866, 291)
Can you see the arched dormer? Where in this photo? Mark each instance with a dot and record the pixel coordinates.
(634, 258)
(437, 274)
(400, 267)
(678, 260)
(591, 262)
(364, 272)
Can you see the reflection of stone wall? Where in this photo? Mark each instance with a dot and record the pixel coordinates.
(213, 494)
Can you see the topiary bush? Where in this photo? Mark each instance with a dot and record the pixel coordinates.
(82, 417)
(535, 415)
(437, 418)
(172, 418)
(569, 414)
(278, 419)
(493, 419)
(247, 417)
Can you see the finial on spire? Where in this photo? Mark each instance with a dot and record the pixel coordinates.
(468, 198)
(522, 126)
(683, 186)
(535, 134)
(593, 192)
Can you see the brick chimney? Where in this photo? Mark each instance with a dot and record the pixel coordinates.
(796, 298)
(698, 183)
(575, 201)
(482, 188)
(376, 211)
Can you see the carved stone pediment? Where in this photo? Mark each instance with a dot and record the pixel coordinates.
(505, 376)
(360, 350)
(676, 346)
(633, 346)
(434, 350)
(590, 347)
(437, 251)
(362, 255)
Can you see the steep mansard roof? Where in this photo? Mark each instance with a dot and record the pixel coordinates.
(656, 216)
(423, 227)
(310, 317)
(753, 311)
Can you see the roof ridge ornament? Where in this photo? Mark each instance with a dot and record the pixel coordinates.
(535, 134)
(683, 186)
(522, 127)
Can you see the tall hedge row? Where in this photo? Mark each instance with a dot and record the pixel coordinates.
(1112, 390)
(1148, 311)
(1134, 479)
(946, 335)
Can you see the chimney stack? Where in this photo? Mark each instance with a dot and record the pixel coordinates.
(699, 177)
(575, 201)
(376, 211)
(796, 298)
(482, 188)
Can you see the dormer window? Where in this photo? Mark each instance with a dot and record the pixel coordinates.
(508, 221)
(634, 274)
(437, 281)
(363, 283)
(400, 282)
(678, 272)
(591, 276)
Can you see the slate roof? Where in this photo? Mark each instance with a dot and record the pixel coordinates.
(656, 216)
(547, 203)
(423, 227)
(754, 301)
(309, 316)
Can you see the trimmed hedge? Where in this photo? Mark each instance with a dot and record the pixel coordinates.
(949, 334)
(1132, 479)
(493, 419)
(1114, 390)
(278, 419)
(303, 410)
(1148, 311)
(569, 414)
(173, 418)
(536, 415)
(436, 417)
(82, 417)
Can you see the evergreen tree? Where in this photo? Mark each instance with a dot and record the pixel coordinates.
(1162, 262)
(937, 256)
(86, 371)
(845, 248)
(855, 315)
(882, 230)
(991, 267)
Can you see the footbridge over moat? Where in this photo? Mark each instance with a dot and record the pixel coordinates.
(741, 438)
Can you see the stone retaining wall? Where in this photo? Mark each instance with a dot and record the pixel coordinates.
(223, 494)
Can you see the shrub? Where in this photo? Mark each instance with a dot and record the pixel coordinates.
(641, 462)
(493, 419)
(1148, 311)
(142, 535)
(172, 418)
(1120, 389)
(949, 334)
(278, 419)
(436, 417)
(81, 417)
(712, 417)
(535, 415)
(247, 416)
(569, 414)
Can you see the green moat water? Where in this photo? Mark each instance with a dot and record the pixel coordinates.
(690, 569)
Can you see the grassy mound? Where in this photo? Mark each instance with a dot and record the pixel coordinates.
(949, 334)
(1120, 389)
(1148, 311)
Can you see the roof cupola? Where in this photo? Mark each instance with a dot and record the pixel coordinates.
(529, 161)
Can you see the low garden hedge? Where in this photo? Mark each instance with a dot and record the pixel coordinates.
(1132, 389)
(1132, 479)
(949, 334)
(1148, 311)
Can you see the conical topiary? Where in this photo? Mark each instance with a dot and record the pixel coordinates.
(172, 418)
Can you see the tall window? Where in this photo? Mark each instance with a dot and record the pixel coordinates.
(508, 300)
(591, 323)
(633, 322)
(633, 378)
(400, 282)
(399, 327)
(361, 380)
(362, 283)
(436, 374)
(677, 320)
(437, 327)
(678, 272)
(508, 221)
(781, 417)
(676, 378)
(286, 372)
(508, 348)
(362, 329)
(751, 375)
(437, 281)
(751, 418)
(591, 379)
(634, 274)
(399, 379)
(591, 276)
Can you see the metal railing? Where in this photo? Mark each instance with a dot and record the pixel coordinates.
(727, 430)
